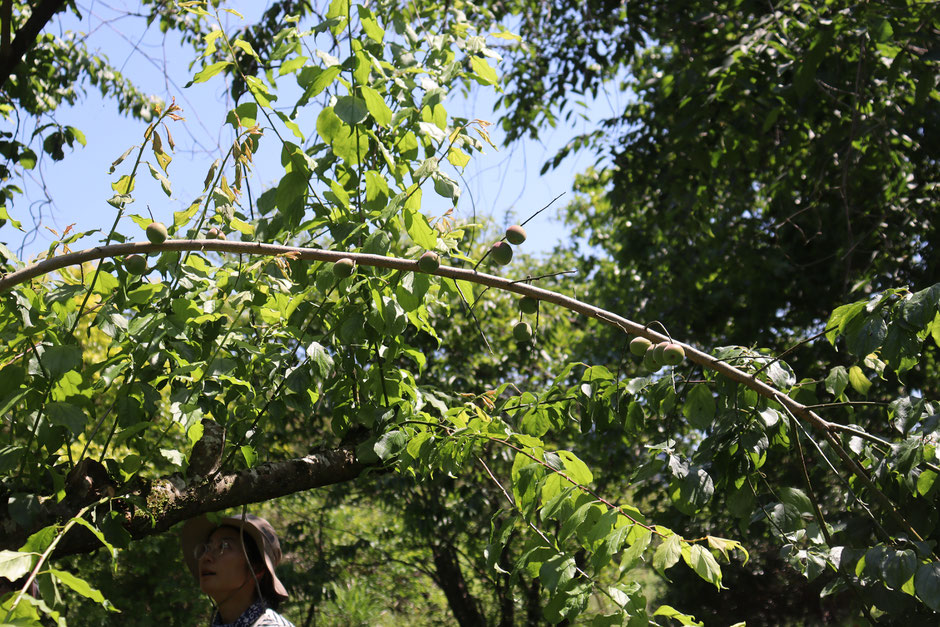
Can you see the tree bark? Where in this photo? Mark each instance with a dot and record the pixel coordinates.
(26, 35)
(170, 500)
(450, 578)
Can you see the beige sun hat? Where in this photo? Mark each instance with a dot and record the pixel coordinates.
(195, 531)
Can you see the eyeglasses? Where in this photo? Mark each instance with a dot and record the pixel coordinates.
(215, 549)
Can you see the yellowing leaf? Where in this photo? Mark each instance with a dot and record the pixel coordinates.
(858, 380)
(124, 185)
(458, 157)
(506, 35)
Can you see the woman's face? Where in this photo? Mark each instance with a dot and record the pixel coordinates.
(223, 569)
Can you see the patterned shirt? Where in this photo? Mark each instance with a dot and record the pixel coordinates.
(258, 615)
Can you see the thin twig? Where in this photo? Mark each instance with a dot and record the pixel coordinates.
(809, 484)
(473, 316)
(527, 220)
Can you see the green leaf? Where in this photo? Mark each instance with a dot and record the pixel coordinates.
(927, 585)
(925, 481)
(390, 444)
(66, 415)
(882, 33)
(667, 554)
(411, 291)
(351, 110)
(694, 491)
(484, 71)
(10, 455)
(446, 186)
(6, 216)
(457, 157)
(898, 568)
(291, 190)
(858, 380)
(576, 469)
(862, 338)
(726, 546)
(97, 533)
(247, 114)
(797, 499)
(841, 317)
(208, 72)
(181, 218)
(376, 106)
(164, 182)
(14, 564)
(246, 47)
(322, 360)
(704, 564)
(57, 360)
(369, 24)
(78, 585)
(837, 380)
(324, 79)
(250, 455)
(124, 185)
(419, 230)
(557, 571)
(671, 612)
(699, 407)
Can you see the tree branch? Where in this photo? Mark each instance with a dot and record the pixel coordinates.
(693, 354)
(171, 499)
(26, 35)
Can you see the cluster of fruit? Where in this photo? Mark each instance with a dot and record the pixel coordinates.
(658, 355)
(522, 331)
(137, 264)
(501, 251)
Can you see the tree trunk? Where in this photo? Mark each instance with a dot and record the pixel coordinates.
(450, 578)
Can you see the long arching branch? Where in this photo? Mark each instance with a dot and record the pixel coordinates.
(523, 288)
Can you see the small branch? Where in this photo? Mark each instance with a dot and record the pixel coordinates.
(473, 316)
(809, 484)
(790, 350)
(848, 404)
(530, 218)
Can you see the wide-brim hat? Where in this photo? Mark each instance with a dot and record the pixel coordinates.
(195, 531)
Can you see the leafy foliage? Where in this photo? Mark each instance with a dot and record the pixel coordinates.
(302, 329)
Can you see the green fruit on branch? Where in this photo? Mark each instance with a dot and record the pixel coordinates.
(639, 346)
(515, 234)
(673, 354)
(501, 253)
(649, 360)
(429, 262)
(156, 232)
(344, 267)
(658, 352)
(528, 305)
(522, 332)
(135, 264)
(213, 233)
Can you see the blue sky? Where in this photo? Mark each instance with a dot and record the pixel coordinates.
(504, 184)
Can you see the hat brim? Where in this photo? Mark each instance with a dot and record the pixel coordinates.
(195, 531)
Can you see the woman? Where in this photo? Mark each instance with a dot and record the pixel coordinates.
(234, 562)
